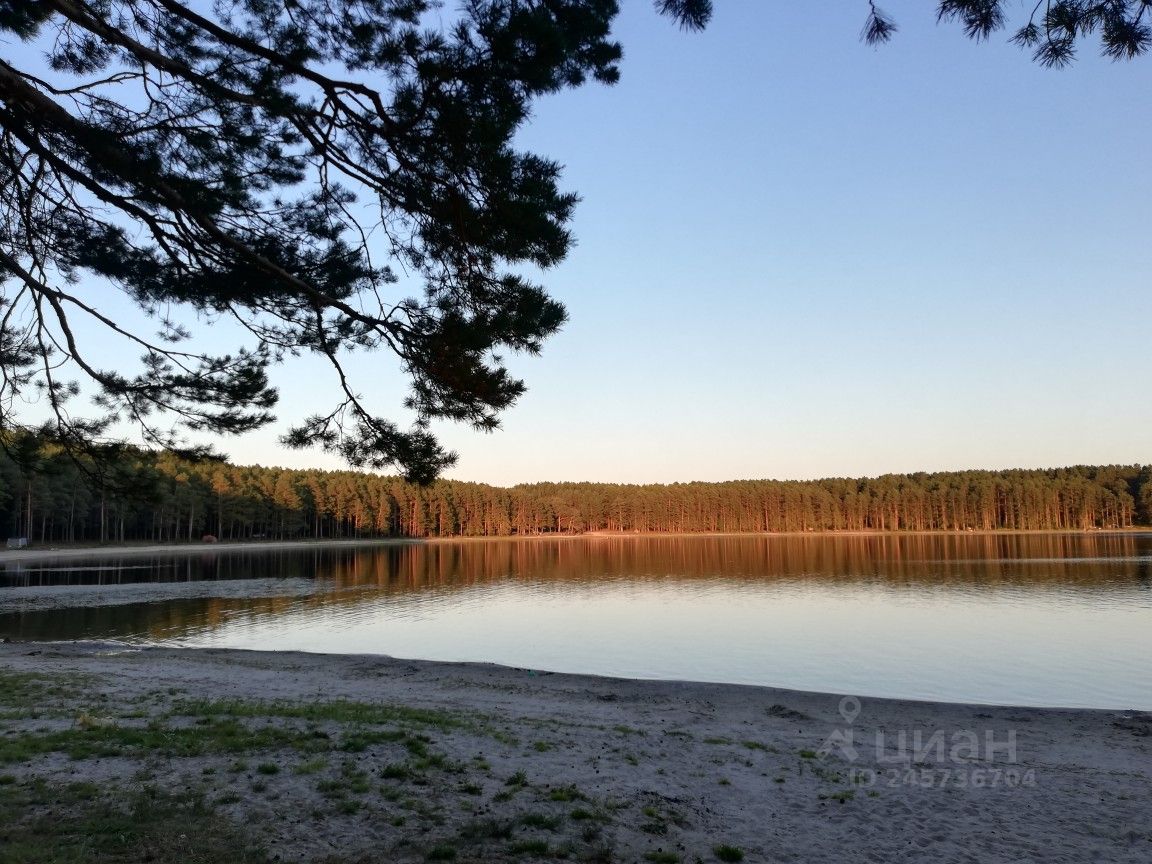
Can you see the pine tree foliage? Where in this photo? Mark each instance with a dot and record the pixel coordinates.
(281, 164)
(1053, 29)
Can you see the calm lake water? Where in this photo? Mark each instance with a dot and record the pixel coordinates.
(1010, 619)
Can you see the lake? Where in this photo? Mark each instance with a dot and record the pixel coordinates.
(1027, 619)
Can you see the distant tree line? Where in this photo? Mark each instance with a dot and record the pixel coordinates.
(48, 496)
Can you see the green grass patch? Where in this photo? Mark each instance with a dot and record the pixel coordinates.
(391, 793)
(502, 736)
(225, 736)
(567, 793)
(23, 689)
(73, 824)
(540, 820)
(360, 785)
(728, 853)
(311, 766)
(350, 781)
(396, 771)
(25, 695)
(417, 745)
(537, 848)
(19, 693)
(338, 711)
(756, 745)
(332, 788)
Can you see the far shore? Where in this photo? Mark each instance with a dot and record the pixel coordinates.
(63, 551)
(356, 759)
(45, 553)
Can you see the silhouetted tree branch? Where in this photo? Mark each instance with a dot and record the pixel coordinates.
(274, 164)
(1052, 30)
(280, 165)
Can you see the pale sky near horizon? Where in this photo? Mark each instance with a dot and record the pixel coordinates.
(801, 257)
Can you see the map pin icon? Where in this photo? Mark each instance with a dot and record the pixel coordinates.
(849, 709)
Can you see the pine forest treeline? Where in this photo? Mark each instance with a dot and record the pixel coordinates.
(160, 497)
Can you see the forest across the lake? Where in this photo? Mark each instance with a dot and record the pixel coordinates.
(51, 496)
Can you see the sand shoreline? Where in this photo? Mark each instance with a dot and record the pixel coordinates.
(654, 767)
(52, 553)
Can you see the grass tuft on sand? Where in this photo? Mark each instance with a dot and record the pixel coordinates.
(75, 824)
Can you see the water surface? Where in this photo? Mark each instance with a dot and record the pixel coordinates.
(1012, 619)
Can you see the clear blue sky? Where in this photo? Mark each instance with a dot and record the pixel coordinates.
(799, 256)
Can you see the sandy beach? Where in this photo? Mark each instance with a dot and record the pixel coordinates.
(415, 761)
(39, 554)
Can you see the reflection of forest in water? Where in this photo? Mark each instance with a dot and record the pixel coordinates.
(1099, 562)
